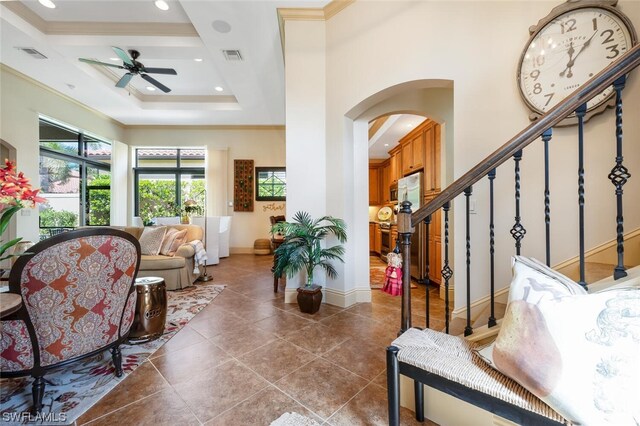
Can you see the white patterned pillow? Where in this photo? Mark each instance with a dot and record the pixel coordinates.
(575, 351)
(151, 239)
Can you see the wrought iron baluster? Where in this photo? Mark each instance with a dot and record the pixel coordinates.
(619, 176)
(492, 318)
(517, 231)
(427, 223)
(546, 137)
(467, 194)
(580, 112)
(447, 273)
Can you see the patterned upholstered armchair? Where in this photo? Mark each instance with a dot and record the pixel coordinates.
(78, 299)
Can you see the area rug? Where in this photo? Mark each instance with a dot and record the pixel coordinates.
(294, 419)
(73, 389)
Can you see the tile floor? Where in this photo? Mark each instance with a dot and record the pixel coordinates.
(248, 357)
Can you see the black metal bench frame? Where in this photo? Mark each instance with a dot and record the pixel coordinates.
(479, 399)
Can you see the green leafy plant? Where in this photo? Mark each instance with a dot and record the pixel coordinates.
(302, 248)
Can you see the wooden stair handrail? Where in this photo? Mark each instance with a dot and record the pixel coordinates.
(591, 88)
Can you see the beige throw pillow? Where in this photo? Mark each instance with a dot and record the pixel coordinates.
(577, 352)
(151, 239)
(172, 240)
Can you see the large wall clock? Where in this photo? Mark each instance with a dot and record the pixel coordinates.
(569, 46)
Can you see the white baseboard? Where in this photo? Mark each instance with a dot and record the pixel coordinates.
(334, 297)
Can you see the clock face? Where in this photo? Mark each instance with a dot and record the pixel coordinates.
(568, 51)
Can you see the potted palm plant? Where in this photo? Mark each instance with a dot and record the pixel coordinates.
(302, 249)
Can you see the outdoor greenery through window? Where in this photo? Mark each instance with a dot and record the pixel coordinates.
(271, 184)
(165, 178)
(75, 177)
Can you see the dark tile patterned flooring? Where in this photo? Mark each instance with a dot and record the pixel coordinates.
(248, 357)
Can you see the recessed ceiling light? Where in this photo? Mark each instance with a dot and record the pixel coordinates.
(386, 144)
(218, 89)
(198, 59)
(151, 88)
(409, 125)
(221, 26)
(47, 3)
(161, 4)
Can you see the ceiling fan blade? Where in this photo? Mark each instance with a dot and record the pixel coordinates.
(168, 71)
(123, 55)
(124, 80)
(90, 61)
(156, 83)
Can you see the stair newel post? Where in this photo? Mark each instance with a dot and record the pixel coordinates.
(517, 231)
(446, 270)
(427, 223)
(492, 251)
(467, 194)
(546, 137)
(404, 235)
(580, 112)
(618, 176)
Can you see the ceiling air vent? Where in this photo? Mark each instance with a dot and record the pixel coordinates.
(32, 52)
(232, 55)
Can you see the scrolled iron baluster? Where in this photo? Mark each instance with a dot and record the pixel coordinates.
(619, 176)
(492, 251)
(447, 273)
(467, 194)
(427, 223)
(518, 231)
(580, 112)
(546, 137)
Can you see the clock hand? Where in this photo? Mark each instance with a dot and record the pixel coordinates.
(571, 51)
(573, 60)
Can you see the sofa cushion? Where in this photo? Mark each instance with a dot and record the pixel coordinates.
(159, 262)
(151, 240)
(575, 351)
(173, 239)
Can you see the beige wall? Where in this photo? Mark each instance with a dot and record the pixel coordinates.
(372, 46)
(265, 146)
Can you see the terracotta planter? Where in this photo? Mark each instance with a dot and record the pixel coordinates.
(309, 299)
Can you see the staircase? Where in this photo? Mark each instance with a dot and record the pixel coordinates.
(479, 322)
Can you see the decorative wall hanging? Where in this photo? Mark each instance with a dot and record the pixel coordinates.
(273, 207)
(243, 186)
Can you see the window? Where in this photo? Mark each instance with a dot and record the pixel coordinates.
(271, 184)
(75, 177)
(165, 178)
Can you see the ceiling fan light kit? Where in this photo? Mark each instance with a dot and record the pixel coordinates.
(133, 67)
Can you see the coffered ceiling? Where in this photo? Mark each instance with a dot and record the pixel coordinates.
(252, 88)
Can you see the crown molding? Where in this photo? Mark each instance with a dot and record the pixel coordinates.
(335, 7)
(12, 71)
(206, 127)
(314, 14)
(100, 28)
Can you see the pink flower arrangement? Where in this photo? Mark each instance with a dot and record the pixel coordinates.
(15, 193)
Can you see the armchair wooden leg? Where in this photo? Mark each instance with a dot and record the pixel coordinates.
(393, 385)
(116, 356)
(37, 390)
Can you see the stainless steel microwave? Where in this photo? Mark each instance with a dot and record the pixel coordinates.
(393, 193)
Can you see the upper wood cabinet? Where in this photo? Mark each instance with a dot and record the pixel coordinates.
(413, 152)
(374, 186)
(386, 182)
(432, 160)
(395, 161)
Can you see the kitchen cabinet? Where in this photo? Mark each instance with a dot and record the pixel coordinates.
(434, 244)
(432, 161)
(372, 232)
(394, 236)
(386, 182)
(413, 150)
(375, 198)
(395, 162)
(377, 238)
